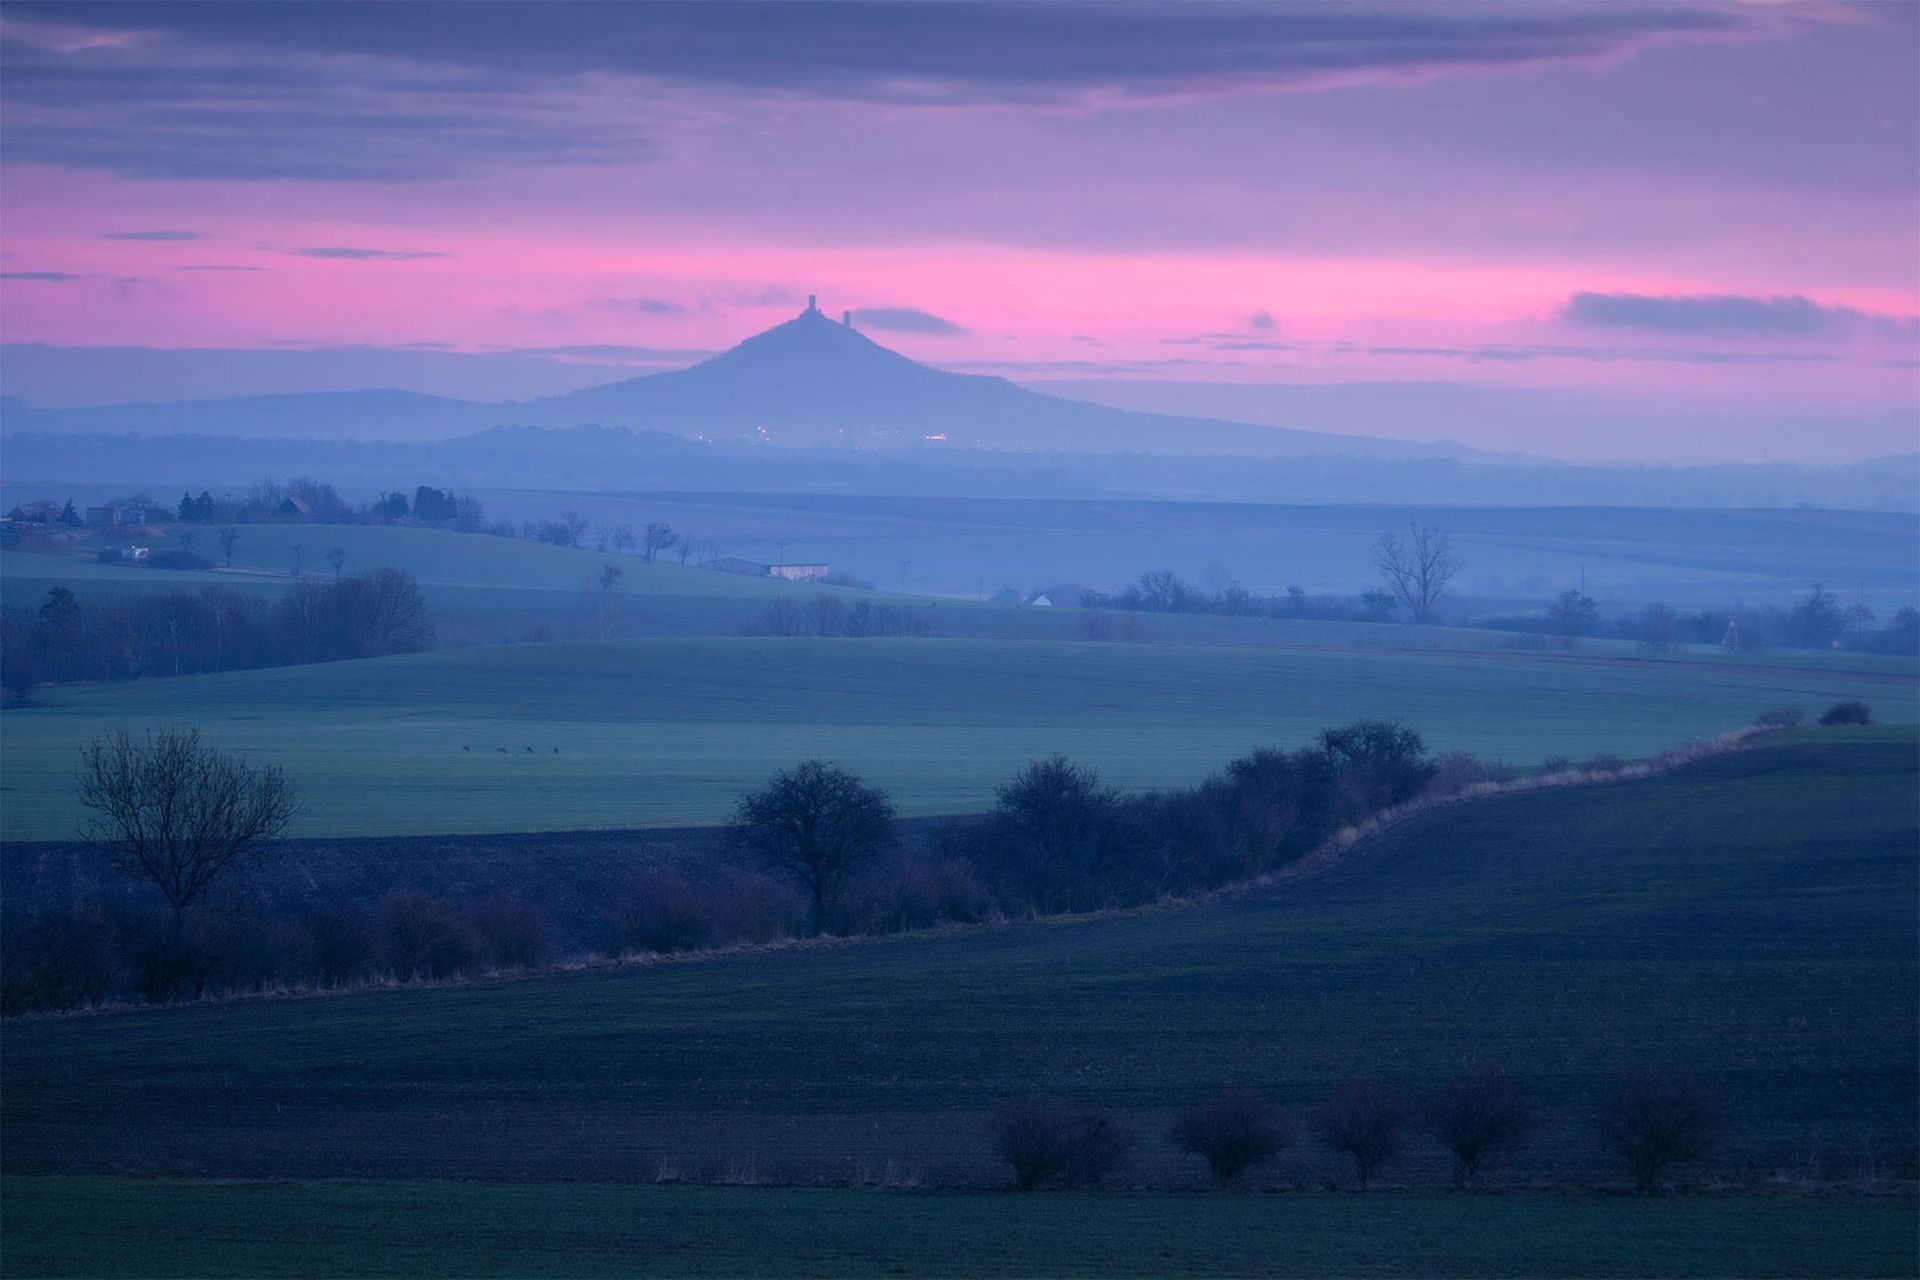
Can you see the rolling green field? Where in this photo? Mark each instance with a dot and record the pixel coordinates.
(671, 731)
(1749, 919)
(81, 1228)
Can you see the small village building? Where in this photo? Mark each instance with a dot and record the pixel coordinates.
(135, 553)
(114, 516)
(758, 569)
(1039, 600)
(294, 507)
(36, 513)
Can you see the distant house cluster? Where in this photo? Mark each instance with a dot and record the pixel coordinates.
(755, 569)
(48, 512)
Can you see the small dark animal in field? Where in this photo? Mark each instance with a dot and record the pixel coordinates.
(501, 750)
(466, 748)
(529, 750)
(556, 751)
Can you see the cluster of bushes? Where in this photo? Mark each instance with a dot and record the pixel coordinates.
(1060, 840)
(82, 959)
(829, 615)
(214, 628)
(1649, 1123)
(1850, 711)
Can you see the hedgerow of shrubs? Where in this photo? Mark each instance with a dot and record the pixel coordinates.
(1058, 840)
(1648, 1124)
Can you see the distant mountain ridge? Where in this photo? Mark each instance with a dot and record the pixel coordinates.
(807, 383)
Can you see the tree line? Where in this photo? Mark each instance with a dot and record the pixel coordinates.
(1817, 620)
(212, 628)
(1647, 1122)
(816, 849)
(304, 499)
(1416, 570)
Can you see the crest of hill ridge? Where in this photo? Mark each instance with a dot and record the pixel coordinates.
(808, 382)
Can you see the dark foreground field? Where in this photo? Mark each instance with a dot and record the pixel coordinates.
(81, 1227)
(1750, 919)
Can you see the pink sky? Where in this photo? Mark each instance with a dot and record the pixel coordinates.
(1750, 191)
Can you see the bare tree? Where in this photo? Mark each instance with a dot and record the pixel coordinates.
(600, 601)
(338, 559)
(1231, 1131)
(1364, 1122)
(389, 611)
(655, 538)
(623, 539)
(228, 536)
(574, 525)
(683, 546)
(174, 812)
(1417, 568)
(1653, 1122)
(1478, 1116)
(817, 823)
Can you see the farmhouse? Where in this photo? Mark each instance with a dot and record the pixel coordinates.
(135, 553)
(121, 515)
(293, 507)
(35, 513)
(756, 569)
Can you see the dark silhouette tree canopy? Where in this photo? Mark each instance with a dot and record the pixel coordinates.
(176, 813)
(815, 822)
(1478, 1116)
(1231, 1131)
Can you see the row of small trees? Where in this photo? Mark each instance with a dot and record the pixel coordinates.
(1817, 621)
(1648, 1122)
(214, 628)
(1417, 569)
(317, 502)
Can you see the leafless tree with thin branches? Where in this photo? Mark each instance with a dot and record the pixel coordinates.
(1417, 568)
(174, 812)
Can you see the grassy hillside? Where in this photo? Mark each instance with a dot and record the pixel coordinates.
(667, 731)
(82, 1227)
(1749, 919)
